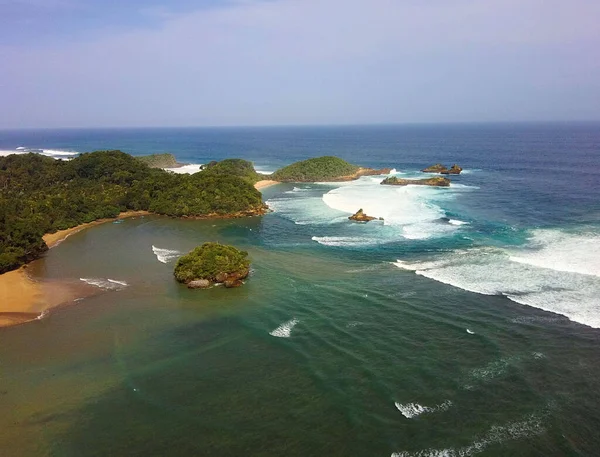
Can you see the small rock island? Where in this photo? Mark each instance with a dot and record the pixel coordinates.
(435, 182)
(213, 263)
(360, 216)
(439, 168)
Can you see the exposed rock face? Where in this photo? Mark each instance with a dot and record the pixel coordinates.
(199, 284)
(232, 278)
(454, 170)
(231, 283)
(436, 182)
(360, 216)
(437, 168)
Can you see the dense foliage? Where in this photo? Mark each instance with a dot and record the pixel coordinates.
(159, 160)
(234, 167)
(41, 195)
(318, 169)
(209, 261)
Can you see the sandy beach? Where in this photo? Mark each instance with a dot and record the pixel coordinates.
(265, 183)
(54, 239)
(23, 299)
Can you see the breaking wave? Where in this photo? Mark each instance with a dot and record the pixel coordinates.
(285, 329)
(556, 271)
(410, 410)
(106, 284)
(528, 427)
(165, 255)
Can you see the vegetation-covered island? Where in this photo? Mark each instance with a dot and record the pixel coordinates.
(323, 169)
(213, 263)
(41, 195)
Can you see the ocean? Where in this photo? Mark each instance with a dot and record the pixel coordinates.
(467, 322)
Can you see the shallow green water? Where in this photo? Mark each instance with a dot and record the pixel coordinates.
(156, 369)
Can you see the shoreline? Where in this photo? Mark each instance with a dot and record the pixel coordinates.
(23, 299)
(265, 183)
(54, 239)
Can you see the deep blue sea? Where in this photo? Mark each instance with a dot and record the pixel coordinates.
(467, 322)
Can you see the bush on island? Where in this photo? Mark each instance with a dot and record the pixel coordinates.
(317, 169)
(213, 263)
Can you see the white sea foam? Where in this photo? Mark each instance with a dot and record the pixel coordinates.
(529, 426)
(165, 255)
(470, 332)
(54, 153)
(494, 369)
(106, 284)
(456, 222)
(285, 329)
(58, 153)
(42, 315)
(305, 210)
(556, 271)
(262, 171)
(186, 169)
(412, 210)
(574, 253)
(410, 410)
(347, 241)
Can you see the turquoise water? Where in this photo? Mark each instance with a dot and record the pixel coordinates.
(464, 324)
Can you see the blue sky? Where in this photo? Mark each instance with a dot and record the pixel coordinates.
(86, 63)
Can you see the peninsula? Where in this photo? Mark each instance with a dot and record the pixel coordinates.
(41, 195)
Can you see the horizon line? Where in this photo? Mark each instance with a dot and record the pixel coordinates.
(250, 126)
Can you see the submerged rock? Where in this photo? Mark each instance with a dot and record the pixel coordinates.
(360, 216)
(454, 170)
(435, 182)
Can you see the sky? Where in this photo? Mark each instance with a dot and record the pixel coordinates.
(134, 63)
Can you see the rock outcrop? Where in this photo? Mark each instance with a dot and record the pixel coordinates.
(360, 216)
(439, 168)
(435, 182)
(453, 170)
(199, 284)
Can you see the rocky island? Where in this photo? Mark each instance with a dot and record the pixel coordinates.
(453, 170)
(439, 168)
(360, 216)
(213, 263)
(435, 182)
(324, 169)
